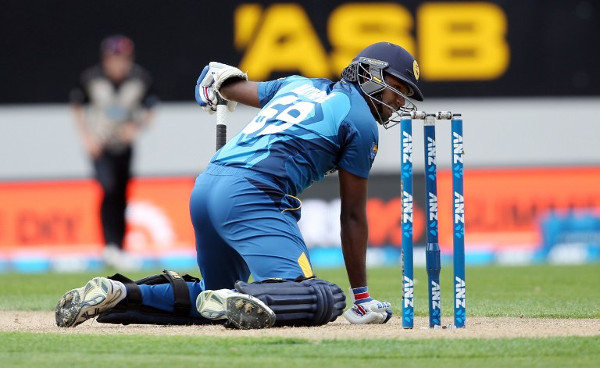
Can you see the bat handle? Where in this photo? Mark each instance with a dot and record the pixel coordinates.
(222, 112)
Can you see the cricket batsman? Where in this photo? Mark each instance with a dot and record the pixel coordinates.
(245, 207)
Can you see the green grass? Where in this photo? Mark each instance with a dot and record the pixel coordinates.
(25, 349)
(533, 291)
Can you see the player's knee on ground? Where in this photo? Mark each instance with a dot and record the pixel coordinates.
(310, 302)
(307, 302)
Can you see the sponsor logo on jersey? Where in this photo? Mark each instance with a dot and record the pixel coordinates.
(373, 151)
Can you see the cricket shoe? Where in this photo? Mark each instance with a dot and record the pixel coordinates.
(78, 305)
(242, 311)
(119, 259)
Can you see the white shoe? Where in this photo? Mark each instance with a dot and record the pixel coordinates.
(111, 254)
(78, 305)
(119, 259)
(242, 311)
(212, 304)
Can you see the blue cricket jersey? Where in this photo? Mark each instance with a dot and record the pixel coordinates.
(305, 129)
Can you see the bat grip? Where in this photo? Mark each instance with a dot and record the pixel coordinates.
(221, 125)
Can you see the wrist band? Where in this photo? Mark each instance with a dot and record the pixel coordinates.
(361, 294)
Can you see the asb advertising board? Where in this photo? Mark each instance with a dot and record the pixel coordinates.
(465, 48)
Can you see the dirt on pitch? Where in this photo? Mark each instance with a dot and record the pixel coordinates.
(477, 327)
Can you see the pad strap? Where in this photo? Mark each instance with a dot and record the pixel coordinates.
(181, 294)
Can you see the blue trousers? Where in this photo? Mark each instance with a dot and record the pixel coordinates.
(244, 226)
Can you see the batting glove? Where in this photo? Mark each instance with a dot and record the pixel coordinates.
(210, 81)
(366, 309)
(205, 96)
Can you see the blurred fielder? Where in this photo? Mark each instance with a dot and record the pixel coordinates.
(119, 104)
(244, 206)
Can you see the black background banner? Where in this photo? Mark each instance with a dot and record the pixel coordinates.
(550, 46)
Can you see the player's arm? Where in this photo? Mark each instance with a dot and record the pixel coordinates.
(242, 91)
(91, 144)
(353, 221)
(79, 117)
(133, 128)
(353, 218)
(360, 146)
(78, 97)
(149, 102)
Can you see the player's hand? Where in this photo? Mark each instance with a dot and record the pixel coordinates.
(205, 95)
(367, 310)
(210, 81)
(128, 132)
(92, 145)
